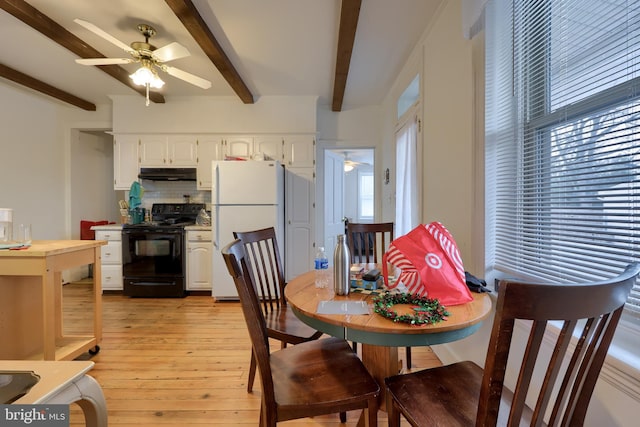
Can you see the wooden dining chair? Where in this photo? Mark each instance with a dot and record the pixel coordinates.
(312, 378)
(367, 243)
(261, 248)
(463, 394)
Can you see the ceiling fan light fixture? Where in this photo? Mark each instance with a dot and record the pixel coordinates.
(348, 167)
(146, 76)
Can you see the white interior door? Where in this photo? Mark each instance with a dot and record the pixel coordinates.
(333, 200)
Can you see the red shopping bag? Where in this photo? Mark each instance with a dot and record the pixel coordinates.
(430, 264)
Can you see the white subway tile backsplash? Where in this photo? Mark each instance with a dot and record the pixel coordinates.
(171, 192)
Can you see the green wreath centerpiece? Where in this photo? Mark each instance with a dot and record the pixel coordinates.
(427, 311)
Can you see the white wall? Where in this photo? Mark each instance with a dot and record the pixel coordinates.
(199, 114)
(33, 162)
(35, 159)
(447, 130)
(349, 128)
(91, 179)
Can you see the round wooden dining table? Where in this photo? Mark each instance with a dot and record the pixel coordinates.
(379, 336)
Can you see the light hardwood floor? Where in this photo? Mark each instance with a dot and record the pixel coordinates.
(179, 362)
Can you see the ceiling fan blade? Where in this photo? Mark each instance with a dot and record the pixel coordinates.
(108, 37)
(187, 77)
(104, 61)
(170, 52)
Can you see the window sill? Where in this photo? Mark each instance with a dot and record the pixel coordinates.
(622, 367)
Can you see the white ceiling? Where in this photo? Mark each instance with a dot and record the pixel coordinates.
(279, 47)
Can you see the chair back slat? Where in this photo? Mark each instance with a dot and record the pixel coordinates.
(368, 242)
(589, 314)
(551, 375)
(262, 251)
(526, 370)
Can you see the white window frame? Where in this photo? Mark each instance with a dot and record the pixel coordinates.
(623, 364)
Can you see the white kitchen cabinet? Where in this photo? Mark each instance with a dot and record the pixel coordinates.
(111, 253)
(238, 146)
(167, 151)
(153, 150)
(182, 150)
(125, 161)
(300, 220)
(199, 253)
(299, 151)
(269, 146)
(209, 148)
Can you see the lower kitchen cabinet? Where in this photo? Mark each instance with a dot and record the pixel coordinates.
(112, 277)
(111, 257)
(199, 252)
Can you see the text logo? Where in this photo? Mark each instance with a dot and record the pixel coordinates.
(433, 260)
(34, 415)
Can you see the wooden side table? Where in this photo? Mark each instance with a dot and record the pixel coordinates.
(31, 300)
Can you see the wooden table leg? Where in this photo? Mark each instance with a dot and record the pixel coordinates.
(57, 288)
(49, 315)
(381, 362)
(97, 296)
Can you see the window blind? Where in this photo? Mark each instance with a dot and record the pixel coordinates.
(563, 138)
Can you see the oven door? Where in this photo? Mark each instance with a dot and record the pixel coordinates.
(153, 262)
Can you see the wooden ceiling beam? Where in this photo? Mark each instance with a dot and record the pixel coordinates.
(346, 36)
(42, 87)
(193, 22)
(47, 26)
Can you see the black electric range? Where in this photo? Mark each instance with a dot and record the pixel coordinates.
(153, 253)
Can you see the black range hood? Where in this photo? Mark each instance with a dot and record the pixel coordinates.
(168, 174)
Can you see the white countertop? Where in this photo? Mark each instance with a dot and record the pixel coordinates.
(198, 228)
(116, 227)
(107, 227)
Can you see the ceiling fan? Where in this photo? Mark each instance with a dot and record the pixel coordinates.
(349, 164)
(148, 56)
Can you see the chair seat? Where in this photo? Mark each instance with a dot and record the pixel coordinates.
(445, 396)
(283, 325)
(317, 375)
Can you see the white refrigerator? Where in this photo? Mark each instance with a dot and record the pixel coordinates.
(245, 196)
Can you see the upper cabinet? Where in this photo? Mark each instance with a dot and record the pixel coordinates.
(210, 147)
(125, 161)
(299, 151)
(168, 151)
(269, 147)
(182, 150)
(131, 152)
(153, 150)
(238, 146)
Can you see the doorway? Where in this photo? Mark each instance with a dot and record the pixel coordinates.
(349, 191)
